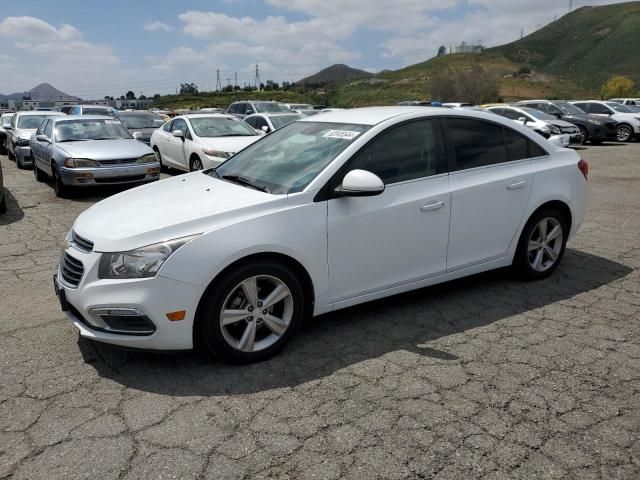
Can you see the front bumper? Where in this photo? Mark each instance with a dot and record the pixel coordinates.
(23, 154)
(565, 139)
(112, 175)
(151, 297)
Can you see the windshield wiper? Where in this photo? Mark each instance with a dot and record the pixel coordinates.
(73, 140)
(242, 181)
(106, 138)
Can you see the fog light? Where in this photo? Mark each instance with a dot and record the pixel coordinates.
(176, 316)
(153, 170)
(83, 175)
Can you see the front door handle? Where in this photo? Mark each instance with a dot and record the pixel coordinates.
(431, 206)
(516, 185)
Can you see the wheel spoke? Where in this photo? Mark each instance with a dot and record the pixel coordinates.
(250, 289)
(537, 262)
(275, 324)
(551, 253)
(542, 227)
(279, 293)
(248, 338)
(227, 317)
(555, 231)
(534, 245)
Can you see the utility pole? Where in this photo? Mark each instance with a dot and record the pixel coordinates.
(229, 81)
(257, 80)
(570, 5)
(218, 84)
(235, 80)
(521, 32)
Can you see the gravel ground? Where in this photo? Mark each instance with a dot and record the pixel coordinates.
(487, 377)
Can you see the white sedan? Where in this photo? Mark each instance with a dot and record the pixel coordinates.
(327, 212)
(197, 141)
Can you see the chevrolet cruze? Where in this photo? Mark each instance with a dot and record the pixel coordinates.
(327, 212)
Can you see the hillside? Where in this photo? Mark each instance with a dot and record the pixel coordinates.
(589, 45)
(338, 73)
(44, 93)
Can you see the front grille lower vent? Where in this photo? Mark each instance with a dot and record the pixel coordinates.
(71, 270)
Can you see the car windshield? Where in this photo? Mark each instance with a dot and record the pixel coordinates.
(282, 120)
(6, 117)
(618, 107)
(140, 120)
(30, 122)
(262, 107)
(538, 114)
(287, 160)
(221, 127)
(98, 111)
(569, 109)
(98, 129)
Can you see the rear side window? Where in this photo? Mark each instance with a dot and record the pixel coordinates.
(406, 152)
(251, 121)
(517, 145)
(581, 106)
(476, 143)
(233, 108)
(598, 108)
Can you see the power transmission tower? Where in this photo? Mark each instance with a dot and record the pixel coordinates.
(235, 79)
(257, 81)
(570, 5)
(218, 84)
(521, 32)
(229, 81)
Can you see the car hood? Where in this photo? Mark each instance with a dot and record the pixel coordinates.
(560, 123)
(171, 208)
(146, 132)
(24, 132)
(106, 149)
(229, 144)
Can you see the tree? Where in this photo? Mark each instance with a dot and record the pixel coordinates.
(156, 96)
(474, 85)
(122, 97)
(617, 86)
(442, 51)
(130, 95)
(188, 88)
(142, 97)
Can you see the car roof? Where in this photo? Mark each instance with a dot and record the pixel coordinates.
(40, 112)
(375, 115)
(137, 112)
(84, 117)
(206, 115)
(274, 114)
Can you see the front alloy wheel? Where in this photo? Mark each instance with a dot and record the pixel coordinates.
(195, 164)
(624, 133)
(251, 313)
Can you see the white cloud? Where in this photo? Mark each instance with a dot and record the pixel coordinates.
(157, 26)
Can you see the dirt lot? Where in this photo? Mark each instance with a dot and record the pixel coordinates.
(487, 377)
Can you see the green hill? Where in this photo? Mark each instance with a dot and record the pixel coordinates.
(588, 45)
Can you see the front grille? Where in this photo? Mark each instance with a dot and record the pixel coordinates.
(71, 270)
(128, 178)
(81, 243)
(119, 161)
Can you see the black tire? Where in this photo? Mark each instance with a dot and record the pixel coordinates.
(62, 190)
(19, 163)
(10, 155)
(522, 259)
(195, 163)
(156, 150)
(3, 202)
(624, 132)
(37, 173)
(209, 333)
(584, 133)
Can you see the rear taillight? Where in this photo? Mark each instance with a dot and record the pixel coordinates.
(584, 168)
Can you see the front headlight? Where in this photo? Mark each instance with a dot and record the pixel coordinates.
(216, 153)
(554, 130)
(80, 163)
(148, 158)
(594, 122)
(139, 263)
(22, 142)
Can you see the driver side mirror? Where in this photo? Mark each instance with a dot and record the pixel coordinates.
(360, 183)
(43, 138)
(7, 126)
(265, 129)
(248, 111)
(178, 134)
(523, 120)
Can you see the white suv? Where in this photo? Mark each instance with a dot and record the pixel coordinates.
(324, 213)
(628, 120)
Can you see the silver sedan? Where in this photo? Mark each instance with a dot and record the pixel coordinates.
(83, 151)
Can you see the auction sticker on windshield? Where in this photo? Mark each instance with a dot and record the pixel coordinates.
(343, 134)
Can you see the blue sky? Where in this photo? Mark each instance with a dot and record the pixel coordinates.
(92, 49)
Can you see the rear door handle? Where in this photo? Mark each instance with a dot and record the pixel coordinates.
(516, 185)
(431, 206)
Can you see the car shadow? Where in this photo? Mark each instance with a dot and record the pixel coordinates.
(334, 341)
(14, 211)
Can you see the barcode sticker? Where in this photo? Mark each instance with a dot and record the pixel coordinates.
(343, 134)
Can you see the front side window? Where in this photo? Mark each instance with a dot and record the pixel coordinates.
(476, 143)
(598, 108)
(41, 128)
(406, 152)
(220, 127)
(570, 109)
(290, 158)
(78, 130)
(167, 126)
(48, 129)
(618, 107)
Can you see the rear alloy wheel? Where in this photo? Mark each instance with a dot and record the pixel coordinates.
(584, 135)
(251, 313)
(624, 133)
(542, 245)
(195, 164)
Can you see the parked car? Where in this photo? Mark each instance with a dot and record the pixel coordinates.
(299, 107)
(457, 104)
(3, 199)
(626, 101)
(94, 110)
(84, 151)
(546, 125)
(268, 122)
(66, 109)
(23, 124)
(628, 120)
(246, 107)
(5, 122)
(327, 212)
(141, 124)
(592, 127)
(414, 103)
(196, 141)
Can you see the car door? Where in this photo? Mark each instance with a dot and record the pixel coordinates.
(490, 186)
(175, 145)
(399, 236)
(599, 109)
(37, 147)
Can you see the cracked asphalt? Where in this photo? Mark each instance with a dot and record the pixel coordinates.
(486, 377)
